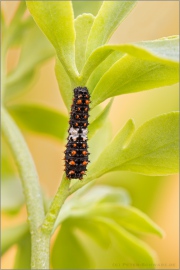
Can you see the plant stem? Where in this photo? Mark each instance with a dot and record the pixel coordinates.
(60, 197)
(80, 184)
(40, 251)
(31, 188)
(26, 169)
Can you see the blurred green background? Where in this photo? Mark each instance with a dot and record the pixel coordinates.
(156, 196)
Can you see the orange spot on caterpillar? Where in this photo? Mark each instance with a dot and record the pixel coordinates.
(84, 163)
(72, 172)
(72, 162)
(87, 102)
(73, 153)
(79, 101)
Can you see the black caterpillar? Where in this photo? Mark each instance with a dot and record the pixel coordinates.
(76, 153)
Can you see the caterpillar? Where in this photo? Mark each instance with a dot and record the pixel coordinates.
(76, 153)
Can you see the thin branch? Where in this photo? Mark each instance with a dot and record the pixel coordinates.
(27, 170)
(58, 201)
(32, 191)
(80, 184)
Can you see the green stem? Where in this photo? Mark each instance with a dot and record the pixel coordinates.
(40, 251)
(58, 201)
(26, 169)
(80, 184)
(31, 188)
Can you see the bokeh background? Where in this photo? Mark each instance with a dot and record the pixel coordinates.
(156, 196)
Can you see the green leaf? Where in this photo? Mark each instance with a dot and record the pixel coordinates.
(23, 255)
(40, 119)
(153, 149)
(83, 24)
(107, 158)
(127, 216)
(14, 89)
(101, 69)
(130, 75)
(165, 51)
(66, 86)
(41, 52)
(98, 141)
(92, 230)
(99, 120)
(101, 194)
(86, 199)
(18, 80)
(20, 32)
(110, 15)
(12, 235)
(166, 48)
(16, 29)
(96, 218)
(19, 13)
(55, 19)
(12, 197)
(132, 249)
(86, 7)
(71, 256)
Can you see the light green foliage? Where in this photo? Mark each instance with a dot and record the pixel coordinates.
(96, 149)
(96, 220)
(99, 214)
(130, 247)
(144, 66)
(81, 7)
(65, 84)
(22, 34)
(129, 75)
(86, 200)
(164, 50)
(11, 201)
(129, 217)
(98, 122)
(39, 119)
(23, 256)
(31, 117)
(50, 14)
(112, 151)
(18, 80)
(154, 147)
(83, 24)
(101, 69)
(16, 29)
(60, 256)
(151, 150)
(7, 161)
(11, 235)
(107, 20)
